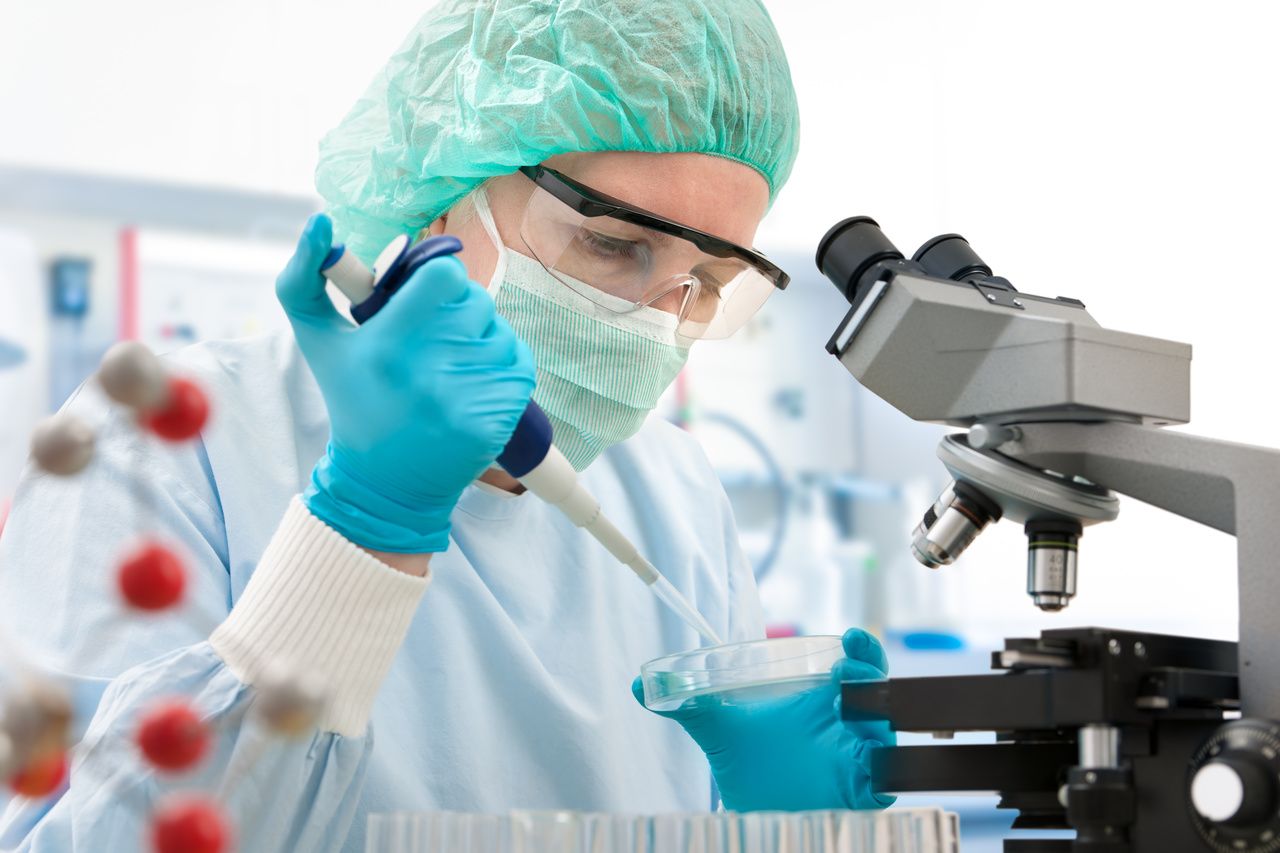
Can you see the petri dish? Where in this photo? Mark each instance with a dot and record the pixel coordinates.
(740, 672)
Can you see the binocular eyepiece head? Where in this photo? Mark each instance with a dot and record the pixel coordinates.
(855, 253)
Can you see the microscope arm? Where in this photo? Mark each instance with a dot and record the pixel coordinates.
(1231, 487)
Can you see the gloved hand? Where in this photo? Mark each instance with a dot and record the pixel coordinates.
(792, 753)
(421, 398)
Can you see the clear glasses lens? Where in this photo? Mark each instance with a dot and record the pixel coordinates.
(623, 266)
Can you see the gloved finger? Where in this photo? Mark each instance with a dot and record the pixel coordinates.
(508, 349)
(472, 315)
(863, 797)
(415, 306)
(499, 328)
(860, 645)
(300, 287)
(637, 690)
(849, 669)
(494, 345)
(688, 710)
(522, 361)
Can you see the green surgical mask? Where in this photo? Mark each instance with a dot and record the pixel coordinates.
(600, 373)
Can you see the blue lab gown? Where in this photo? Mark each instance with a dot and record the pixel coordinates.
(511, 690)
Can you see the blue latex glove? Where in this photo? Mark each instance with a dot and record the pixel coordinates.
(793, 753)
(421, 398)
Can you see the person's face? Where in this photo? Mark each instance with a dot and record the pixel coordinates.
(713, 194)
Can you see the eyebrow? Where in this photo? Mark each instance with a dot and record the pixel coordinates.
(658, 238)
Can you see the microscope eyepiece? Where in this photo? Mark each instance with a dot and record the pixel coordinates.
(851, 253)
(951, 256)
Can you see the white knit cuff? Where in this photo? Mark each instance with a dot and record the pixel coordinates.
(317, 603)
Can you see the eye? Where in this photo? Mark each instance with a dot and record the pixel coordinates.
(610, 248)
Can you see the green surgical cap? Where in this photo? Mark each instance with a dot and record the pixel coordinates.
(483, 87)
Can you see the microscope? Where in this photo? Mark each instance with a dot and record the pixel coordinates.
(1141, 743)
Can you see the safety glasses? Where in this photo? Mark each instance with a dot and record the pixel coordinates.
(624, 258)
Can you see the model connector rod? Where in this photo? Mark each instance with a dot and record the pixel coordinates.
(529, 456)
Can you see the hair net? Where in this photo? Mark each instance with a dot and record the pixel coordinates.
(482, 87)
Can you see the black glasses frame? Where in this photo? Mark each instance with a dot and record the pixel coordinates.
(590, 202)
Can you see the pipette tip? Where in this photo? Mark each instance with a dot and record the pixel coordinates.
(672, 598)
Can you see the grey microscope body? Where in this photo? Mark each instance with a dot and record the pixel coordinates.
(1061, 414)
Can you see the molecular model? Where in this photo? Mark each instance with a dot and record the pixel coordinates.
(171, 735)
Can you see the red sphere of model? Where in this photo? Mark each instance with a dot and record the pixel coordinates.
(41, 777)
(152, 577)
(172, 736)
(183, 413)
(189, 824)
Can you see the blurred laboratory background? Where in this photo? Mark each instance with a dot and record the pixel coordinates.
(156, 164)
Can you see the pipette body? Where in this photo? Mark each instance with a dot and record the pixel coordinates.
(529, 456)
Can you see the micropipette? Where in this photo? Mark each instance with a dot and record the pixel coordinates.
(529, 456)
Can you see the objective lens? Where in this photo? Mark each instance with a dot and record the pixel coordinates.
(951, 524)
(1052, 548)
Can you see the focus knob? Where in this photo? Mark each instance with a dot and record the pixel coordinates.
(1234, 789)
(1234, 786)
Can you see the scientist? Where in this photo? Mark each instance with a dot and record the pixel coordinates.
(545, 135)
